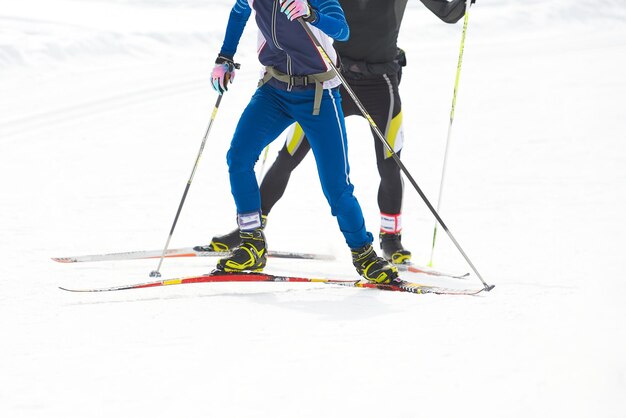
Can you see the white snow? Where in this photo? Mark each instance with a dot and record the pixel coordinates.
(103, 105)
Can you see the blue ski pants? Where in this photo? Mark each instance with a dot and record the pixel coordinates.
(269, 113)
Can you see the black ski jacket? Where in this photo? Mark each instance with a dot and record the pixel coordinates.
(374, 28)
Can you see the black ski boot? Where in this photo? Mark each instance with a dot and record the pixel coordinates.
(222, 243)
(227, 242)
(251, 255)
(372, 267)
(391, 245)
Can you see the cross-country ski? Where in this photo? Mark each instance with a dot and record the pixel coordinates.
(218, 277)
(194, 252)
(180, 253)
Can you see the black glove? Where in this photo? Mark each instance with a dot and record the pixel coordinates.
(400, 57)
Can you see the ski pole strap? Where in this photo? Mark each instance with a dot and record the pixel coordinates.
(300, 80)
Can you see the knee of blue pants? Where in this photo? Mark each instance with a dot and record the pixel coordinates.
(240, 159)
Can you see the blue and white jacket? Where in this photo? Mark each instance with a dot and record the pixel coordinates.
(284, 44)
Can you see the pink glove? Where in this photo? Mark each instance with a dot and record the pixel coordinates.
(223, 73)
(295, 9)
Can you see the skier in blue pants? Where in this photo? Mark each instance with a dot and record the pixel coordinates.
(298, 86)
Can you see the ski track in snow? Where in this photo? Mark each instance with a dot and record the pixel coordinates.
(88, 108)
(102, 107)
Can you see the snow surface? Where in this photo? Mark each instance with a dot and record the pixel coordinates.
(103, 105)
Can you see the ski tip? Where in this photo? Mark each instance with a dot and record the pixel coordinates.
(459, 276)
(81, 290)
(63, 259)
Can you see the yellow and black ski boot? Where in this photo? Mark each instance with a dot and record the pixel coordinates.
(391, 246)
(372, 267)
(251, 255)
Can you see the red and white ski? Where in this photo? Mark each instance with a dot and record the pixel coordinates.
(220, 277)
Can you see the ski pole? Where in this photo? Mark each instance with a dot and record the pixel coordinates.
(389, 148)
(445, 155)
(156, 273)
